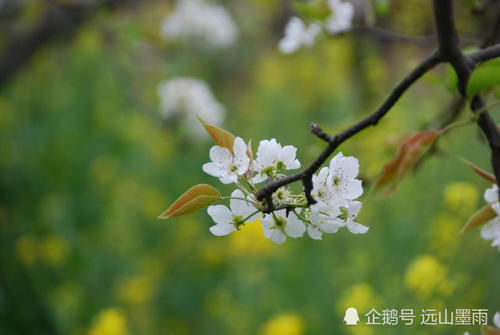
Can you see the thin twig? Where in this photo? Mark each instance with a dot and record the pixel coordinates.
(335, 141)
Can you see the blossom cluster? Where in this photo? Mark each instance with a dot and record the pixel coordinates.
(297, 34)
(491, 231)
(187, 98)
(209, 24)
(335, 188)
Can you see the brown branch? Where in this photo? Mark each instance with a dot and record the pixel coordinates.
(335, 141)
(390, 36)
(463, 66)
(58, 20)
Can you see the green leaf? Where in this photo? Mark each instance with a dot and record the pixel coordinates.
(220, 136)
(484, 77)
(196, 198)
(315, 10)
(408, 154)
(486, 175)
(482, 216)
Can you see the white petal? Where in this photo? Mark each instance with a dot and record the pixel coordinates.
(287, 156)
(239, 147)
(277, 236)
(220, 155)
(267, 152)
(228, 179)
(267, 221)
(220, 214)
(496, 320)
(350, 167)
(288, 45)
(491, 230)
(294, 226)
(351, 189)
(314, 232)
(331, 227)
(222, 229)
(213, 169)
(491, 194)
(355, 227)
(259, 178)
(334, 162)
(496, 207)
(353, 209)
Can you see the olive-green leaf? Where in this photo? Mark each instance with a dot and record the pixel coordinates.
(486, 175)
(197, 197)
(482, 216)
(220, 136)
(408, 154)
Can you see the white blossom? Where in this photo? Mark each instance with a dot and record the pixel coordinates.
(298, 35)
(324, 219)
(321, 191)
(496, 320)
(341, 18)
(229, 219)
(277, 226)
(189, 98)
(491, 194)
(228, 166)
(209, 23)
(282, 195)
(353, 209)
(271, 157)
(342, 177)
(491, 231)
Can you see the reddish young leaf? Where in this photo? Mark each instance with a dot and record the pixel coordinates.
(220, 136)
(482, 216)
(408, 154)
(197, 197)
(486, 175)
(488, 330)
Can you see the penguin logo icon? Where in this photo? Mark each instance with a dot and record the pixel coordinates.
(351, 317)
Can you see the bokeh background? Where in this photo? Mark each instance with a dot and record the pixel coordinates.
(87, 163)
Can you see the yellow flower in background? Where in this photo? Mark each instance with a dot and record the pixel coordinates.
(444, 235)
(109, 322)
(426, 275)
(54, 249)
(26, 249)
(284, 324)
(135, 290)
(250, 240)
(461, 197)
(361, 296)
(103, 170)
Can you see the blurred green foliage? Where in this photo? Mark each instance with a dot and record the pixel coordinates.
(87, 164)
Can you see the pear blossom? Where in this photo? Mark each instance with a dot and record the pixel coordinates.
(188, 98)
(208, 23)
(353, 209)
(491, 231)
(321, 191)
(282, 195)
(277, 226)
(341, 18)
(228, 166)
(298, 35)
(496, 320)
(271, 157)
(324, 219)
(342, 177)
(229, 219)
